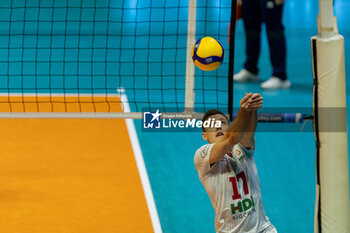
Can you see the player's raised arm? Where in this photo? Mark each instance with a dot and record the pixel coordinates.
(233, 133)
(254, 103)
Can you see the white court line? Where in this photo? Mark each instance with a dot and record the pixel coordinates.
(141, 167)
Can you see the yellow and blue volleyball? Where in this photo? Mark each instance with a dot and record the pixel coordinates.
(208, 53)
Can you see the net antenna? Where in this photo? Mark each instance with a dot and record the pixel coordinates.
(332, 211)
(191, 39)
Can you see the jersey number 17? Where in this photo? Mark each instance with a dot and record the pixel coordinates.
(234, 180)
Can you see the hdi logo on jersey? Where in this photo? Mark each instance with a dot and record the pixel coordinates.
(151, 120)
(241, 206)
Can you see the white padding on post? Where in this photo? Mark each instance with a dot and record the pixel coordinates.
(333, 160)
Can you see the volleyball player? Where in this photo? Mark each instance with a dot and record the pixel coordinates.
(227, 170)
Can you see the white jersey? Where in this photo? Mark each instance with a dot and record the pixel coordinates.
(234, 190)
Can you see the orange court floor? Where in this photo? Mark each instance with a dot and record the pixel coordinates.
(68, 175)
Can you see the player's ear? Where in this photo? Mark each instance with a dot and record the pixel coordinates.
(205, 136)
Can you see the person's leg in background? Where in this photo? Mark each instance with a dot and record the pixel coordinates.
(252, 25)
(272, 16)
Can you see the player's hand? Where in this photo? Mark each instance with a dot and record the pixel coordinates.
(255, 102)
(244, 101)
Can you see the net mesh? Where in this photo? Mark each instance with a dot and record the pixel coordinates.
(74, 52)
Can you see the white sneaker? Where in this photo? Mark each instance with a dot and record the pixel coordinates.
(245, 76)
(275, 83)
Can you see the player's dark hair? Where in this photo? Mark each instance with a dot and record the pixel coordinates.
(210, 113)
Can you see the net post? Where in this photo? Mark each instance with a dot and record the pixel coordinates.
(191, 34)
(332, 212)
(231, 58)
(326, 19)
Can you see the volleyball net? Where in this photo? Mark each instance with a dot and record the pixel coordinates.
(81, 56)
